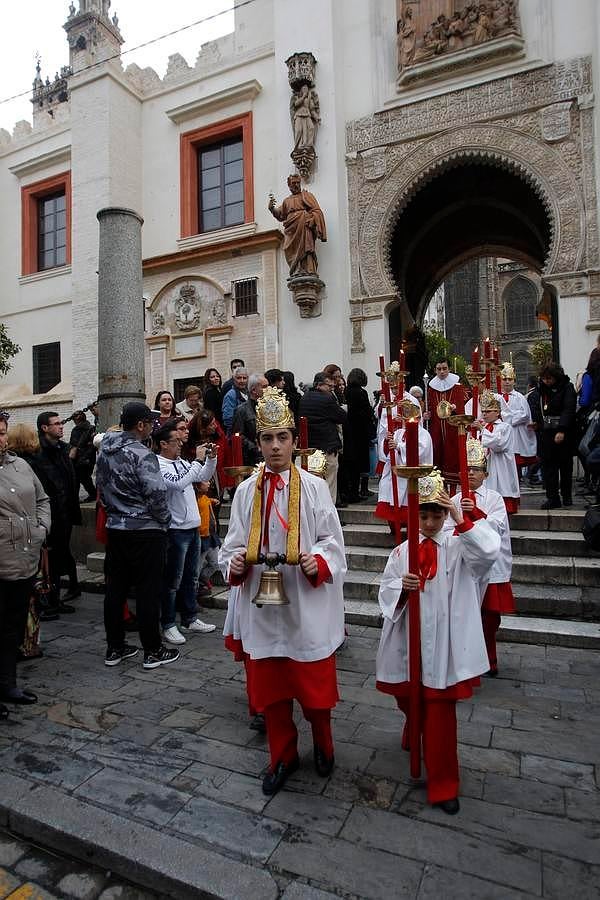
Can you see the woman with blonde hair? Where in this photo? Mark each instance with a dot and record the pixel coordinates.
(23, 441)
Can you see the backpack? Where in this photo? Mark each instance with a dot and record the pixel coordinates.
(591, 528)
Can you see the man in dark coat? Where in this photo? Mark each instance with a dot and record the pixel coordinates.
(55, 470)
(83, 454)
(244, 420)
(553, 405)
(324, 415)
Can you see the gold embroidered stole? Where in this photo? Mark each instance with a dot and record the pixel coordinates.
(292, 551)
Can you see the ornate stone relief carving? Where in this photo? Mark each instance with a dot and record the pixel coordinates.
(556, 121)
(187, 305)
(438, 37)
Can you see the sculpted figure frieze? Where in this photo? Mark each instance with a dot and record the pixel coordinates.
(439, 27)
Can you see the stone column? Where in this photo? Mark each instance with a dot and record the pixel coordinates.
(120, 312)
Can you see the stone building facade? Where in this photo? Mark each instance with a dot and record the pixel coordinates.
(439, 133)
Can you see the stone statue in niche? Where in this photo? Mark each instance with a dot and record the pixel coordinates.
(305, 114)
(303, 224)
(187, 308)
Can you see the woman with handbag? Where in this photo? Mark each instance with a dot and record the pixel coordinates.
(553, 407)
(24, 524)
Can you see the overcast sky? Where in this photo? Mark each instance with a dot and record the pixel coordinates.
(36, 27)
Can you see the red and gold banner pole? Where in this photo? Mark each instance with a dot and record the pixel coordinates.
(461, 423)
(412, 472)
(497, 370)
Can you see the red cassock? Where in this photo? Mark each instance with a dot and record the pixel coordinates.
(444, 435)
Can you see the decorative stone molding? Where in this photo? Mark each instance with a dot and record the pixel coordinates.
(358, 345)
(556, 121)
(247, 91)
(42, 162)
(306, 290)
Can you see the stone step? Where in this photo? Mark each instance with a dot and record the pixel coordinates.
(516, 629)
(554, 520)
(550, 543)
(560, 570)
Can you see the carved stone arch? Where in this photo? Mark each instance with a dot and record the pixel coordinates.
(529, 159)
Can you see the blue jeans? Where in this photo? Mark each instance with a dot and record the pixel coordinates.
(181, 576)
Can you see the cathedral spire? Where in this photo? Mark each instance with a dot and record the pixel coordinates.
(92, 35)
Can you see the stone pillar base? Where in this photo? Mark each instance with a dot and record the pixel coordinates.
(306, 290)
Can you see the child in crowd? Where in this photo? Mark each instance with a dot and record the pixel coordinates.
(453, 653)
(497, 439)
(209, 538)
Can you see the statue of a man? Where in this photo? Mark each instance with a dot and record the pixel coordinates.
(303, 224)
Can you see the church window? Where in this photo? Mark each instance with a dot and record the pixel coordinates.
(245, 295)
(46, 224)
(46, 367)
(520, 300)
(216, 189)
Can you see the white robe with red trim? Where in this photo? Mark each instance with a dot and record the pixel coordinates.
(452, 644)
(491, 503)
(502, 468)
(385, 491)
(311, 626)
(517, 414)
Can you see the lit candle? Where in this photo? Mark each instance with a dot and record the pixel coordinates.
(236, 449)
(455, 358)
(475, 359)
(487, 349)
(496, 355)
(412, 444)
(303, 433)
(381, 364)
(402, 360)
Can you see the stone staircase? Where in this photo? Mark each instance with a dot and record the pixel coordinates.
(556, 577)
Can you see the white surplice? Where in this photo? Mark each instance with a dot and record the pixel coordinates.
(516, 412)
(311, 627)
(502, 469)
(385, 491)
(452, 644)
(491, 503)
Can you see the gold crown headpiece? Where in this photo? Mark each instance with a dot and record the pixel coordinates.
(476, 458)
(409, 409)
(317, 463)
(273, 411)
(507, 371)
(488, 400)
(430, 487)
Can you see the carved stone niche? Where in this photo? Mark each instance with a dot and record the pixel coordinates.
(305, 113)
(306, 290)
(440, 38)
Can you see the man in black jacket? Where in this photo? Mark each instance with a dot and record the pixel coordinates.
(324, 416)
(83, 454)
(55, 470)
(244, 420)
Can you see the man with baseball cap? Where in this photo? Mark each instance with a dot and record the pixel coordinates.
(134, 494)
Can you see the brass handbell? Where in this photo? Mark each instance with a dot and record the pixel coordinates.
(270, 589)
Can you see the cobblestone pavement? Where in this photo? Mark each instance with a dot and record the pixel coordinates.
(30, 873)
(154, 774)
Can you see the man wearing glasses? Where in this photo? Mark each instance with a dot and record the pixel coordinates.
(324, 415)
(183, 545)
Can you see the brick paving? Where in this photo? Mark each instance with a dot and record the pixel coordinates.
(155, 774)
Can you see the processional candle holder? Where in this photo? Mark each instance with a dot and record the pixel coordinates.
(462, 422)
(475, 379)
(304, 453)
(270, 589)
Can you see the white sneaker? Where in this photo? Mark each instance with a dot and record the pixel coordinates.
(198, 626)
(172, 635)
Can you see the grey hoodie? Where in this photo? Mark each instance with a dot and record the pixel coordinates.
(130, 483)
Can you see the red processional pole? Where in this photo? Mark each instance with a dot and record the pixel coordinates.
(385, 389)
(412, 471)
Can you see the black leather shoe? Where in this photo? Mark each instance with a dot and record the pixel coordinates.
(449, 806)
(323, 764)
(75, 594)
(274, 781)
(66, 608)
(50, 614)
(491, 673)
(258, 724)
(21, 698)
(551, 504)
